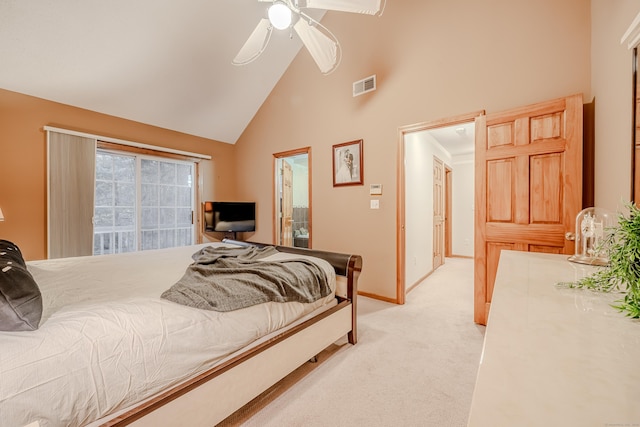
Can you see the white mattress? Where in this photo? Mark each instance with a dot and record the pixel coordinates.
(107, 341)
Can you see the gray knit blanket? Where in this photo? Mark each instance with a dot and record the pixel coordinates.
(226, 279)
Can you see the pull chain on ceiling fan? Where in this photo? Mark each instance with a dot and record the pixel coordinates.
(319, 41)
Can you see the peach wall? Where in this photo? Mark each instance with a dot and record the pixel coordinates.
(23, 185)
(612, 86)
(433, 59)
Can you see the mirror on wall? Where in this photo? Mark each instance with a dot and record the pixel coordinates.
(292, 204)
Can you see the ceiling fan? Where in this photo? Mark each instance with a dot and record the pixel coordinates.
(319, 41)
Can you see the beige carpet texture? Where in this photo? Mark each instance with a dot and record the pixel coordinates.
(414, 365)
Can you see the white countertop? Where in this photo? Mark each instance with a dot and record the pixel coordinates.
(554, 356)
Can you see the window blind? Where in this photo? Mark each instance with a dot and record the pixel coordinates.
(71, 174)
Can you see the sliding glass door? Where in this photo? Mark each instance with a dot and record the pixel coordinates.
(142, 202)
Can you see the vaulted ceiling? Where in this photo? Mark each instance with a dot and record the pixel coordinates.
(159, 62)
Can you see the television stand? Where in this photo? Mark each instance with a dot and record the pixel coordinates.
(230, 235)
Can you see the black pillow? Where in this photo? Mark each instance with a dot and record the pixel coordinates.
(20, 298)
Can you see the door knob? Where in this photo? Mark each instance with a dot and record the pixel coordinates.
(569, 235)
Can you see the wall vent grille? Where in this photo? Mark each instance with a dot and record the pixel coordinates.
(365, 85)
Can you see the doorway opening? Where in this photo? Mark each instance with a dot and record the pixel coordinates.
(431, 227)
(292, 204)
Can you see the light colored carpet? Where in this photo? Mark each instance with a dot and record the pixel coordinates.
(413, 365)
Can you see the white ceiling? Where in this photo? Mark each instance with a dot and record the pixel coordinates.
(457, 140)
(165, 63)
(159, 62)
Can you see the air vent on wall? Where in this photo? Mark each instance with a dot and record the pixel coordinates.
(364, 85)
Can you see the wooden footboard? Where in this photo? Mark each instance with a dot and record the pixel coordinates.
(217, 393)
(346, 265)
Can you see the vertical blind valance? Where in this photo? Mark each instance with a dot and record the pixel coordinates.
(71, 175)
(130, 144)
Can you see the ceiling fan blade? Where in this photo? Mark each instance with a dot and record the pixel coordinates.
(324, 49)
(255, 44)
(368, 7)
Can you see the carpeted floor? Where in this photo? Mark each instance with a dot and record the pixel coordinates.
(413, 365)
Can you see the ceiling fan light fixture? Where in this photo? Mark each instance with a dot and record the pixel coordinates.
(280, 15)
(322, 44)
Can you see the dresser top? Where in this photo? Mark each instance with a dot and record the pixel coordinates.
(555, 356)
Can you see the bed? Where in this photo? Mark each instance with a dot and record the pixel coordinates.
(110, 352)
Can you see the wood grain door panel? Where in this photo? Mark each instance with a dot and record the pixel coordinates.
(500, 190)
(493, 256)
(546, 184)
(528, 185)
(287, 205)
(438, 212)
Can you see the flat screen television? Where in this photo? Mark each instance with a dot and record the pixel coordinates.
(230, 216)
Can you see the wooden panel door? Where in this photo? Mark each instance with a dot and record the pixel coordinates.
(448, 197)
(438, 212)
(287, 205)
(528, 186)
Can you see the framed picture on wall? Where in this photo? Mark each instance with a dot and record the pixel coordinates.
(347, 163)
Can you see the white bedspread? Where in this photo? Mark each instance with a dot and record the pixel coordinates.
(107, 340)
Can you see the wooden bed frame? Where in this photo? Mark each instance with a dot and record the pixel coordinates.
(215, 394)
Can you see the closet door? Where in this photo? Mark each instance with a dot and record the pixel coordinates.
(438, 212)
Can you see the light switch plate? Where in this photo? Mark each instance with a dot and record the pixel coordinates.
(375, 204)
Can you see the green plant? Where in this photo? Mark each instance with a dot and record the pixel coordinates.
(623, 272)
